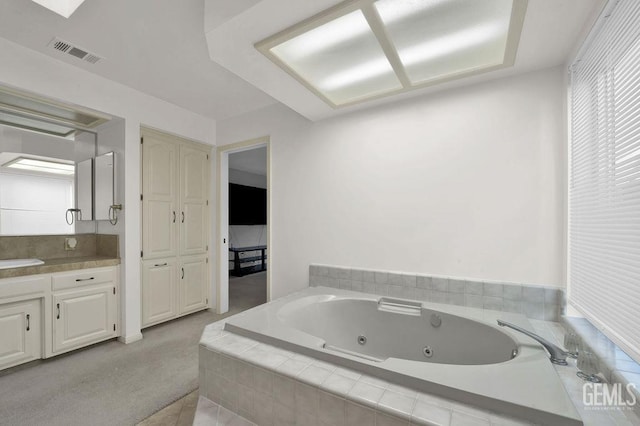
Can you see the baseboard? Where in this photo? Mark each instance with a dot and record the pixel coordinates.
(130, 339)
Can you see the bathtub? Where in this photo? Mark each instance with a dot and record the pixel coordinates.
(455, 352)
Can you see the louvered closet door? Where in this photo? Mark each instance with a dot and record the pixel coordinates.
(194, 173)
(159, 189)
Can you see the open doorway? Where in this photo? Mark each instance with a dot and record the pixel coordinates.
(243, 225)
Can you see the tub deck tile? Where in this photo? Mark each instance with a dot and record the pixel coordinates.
(398, 404)
(339, 384)
(365, 393)
(430, 415)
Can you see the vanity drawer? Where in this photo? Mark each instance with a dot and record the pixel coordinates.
(83, 277)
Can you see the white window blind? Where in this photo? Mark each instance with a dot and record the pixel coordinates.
(604, 192)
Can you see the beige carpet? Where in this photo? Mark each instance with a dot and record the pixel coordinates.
(115, 384)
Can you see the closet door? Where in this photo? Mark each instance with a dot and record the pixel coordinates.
(194, 190)
(159, 292)
(159, 191)
(193, 284)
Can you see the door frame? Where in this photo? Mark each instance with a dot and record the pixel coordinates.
(222, 217)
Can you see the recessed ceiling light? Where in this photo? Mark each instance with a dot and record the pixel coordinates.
(61, 7)
(42, 166)
(365, 49)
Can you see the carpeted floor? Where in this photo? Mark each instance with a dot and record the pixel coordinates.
(115, 384)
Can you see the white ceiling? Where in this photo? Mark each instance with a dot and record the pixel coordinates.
(251, 161)
(551, 30)
(159, 47)
(155, 46)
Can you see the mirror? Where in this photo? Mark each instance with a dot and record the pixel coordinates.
(38, 184)
(105, 185)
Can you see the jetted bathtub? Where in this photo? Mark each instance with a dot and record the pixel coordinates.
(456, 352)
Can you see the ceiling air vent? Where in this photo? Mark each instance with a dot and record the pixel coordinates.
(66, 47)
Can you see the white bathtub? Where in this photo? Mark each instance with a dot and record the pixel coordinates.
(456, 352)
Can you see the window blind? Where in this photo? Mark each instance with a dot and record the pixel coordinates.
(604, 187)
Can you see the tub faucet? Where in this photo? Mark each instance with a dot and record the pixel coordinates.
(556, 354)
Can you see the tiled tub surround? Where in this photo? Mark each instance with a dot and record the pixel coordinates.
(92, 250)
(535, 302)
(272, 386)
(469, 350)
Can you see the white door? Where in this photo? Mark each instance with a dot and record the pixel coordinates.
(159, 190)
(193, 284)
(159, 293)
(194, 189)
(20, 333)
(83, 316)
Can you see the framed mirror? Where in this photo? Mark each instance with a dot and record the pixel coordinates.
(38, 182)
(104, 185)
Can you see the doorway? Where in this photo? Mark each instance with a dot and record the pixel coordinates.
(243, 272)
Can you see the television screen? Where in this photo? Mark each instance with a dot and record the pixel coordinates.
(247, 205)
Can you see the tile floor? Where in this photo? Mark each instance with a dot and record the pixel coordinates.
(180, 413)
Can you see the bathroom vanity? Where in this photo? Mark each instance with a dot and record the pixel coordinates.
(63, 304)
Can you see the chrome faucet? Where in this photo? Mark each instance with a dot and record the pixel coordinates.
(556, 355)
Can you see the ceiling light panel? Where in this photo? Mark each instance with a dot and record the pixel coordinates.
(364, 49)
(42, 166)
(440, 38)
(61, 7)
(342, 60)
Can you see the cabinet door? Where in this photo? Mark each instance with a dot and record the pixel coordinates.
(159, 190)
(194, 191)
(193, 284)
(159, 292)
(83, 316)
(20, 333)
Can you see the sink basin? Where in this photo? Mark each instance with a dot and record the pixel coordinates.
(19, 263)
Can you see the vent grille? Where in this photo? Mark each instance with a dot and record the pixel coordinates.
(66, 47)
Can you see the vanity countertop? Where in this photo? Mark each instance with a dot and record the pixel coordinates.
(61, 265)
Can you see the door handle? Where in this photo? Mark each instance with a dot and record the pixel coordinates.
(174, 217)
(58, 316)
(182, 217)
(182, 273)
(28, 322)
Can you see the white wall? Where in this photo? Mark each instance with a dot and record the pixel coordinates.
(467, 182)
(26, 69)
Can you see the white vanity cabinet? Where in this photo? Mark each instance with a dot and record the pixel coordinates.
(85, 308)
(20, 332)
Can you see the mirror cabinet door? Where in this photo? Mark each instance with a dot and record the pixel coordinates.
(105, 186)
(84, 188)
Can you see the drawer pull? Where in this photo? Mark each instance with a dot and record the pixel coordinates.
(182, 273)
(182, 217)
(28, 322)
(174, 217)
(84, 279)
(161, 264)
(58, 316)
